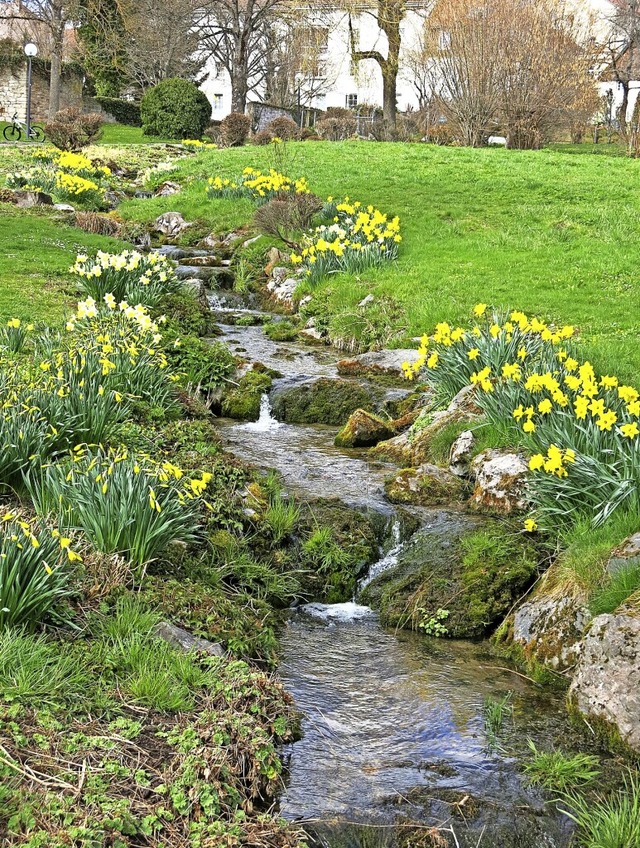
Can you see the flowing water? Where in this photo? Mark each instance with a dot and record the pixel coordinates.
(394, 723)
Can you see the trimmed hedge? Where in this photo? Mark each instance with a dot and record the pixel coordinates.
(124, 111)
(175, 108)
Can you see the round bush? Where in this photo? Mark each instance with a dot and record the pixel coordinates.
(175, 108)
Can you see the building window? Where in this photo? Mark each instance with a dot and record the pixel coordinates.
(216, 102)
(351, 101)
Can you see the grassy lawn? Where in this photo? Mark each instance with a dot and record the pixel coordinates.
(548, 232)
(36, 251)
(121, 134)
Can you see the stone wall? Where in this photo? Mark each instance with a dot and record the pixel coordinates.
(13, 92)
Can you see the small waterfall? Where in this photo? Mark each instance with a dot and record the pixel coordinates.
(266, 421)
(389, 560)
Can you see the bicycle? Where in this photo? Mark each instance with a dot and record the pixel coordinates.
(15, 130)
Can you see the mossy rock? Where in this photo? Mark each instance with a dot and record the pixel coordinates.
(340, 557)
(363, 430)
(320, 401)
(474, 569)
(427, 485)
(243, 401)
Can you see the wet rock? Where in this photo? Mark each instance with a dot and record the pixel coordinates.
(311, 334)
(64, 207)
(143, 195)
(185, 641)
(196, 286)
(550, 630)
(200, 260)
(185, 272)
(460, 454)
(459, 563)
(427, 485)
(363, 430)
(170, 224)
(606, 683)
(461, 408)
(319, 400)
(167, 189)
(500, 479)
(397, 449)
(387, 362)
(26, 199)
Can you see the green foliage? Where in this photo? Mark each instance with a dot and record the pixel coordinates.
(323, 401)
(559, 772)
(175, 108)
(611, 821)
(434, 626)
(235, 129)
(202, 364)
(496, 713)
(281, 331)
(72, 129)
(185, 315)
(280, 518)
(125, 112)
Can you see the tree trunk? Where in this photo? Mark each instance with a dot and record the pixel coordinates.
(389, 107)
(622, 111)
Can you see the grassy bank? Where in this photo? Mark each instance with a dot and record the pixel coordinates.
(552, 233)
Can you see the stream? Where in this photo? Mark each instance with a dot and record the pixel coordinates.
(394, 729)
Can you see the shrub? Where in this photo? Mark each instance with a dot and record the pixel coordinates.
(337, 129)
(262, 138)
(124, 111)
(283, 217)
(175, 108)
(71, 129)
(212, 132)
(284, 128)
(235, 129)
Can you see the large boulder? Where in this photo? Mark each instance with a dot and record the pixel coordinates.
(550, 630)
(377, 362)
(28, 198)
(606, 683)
(460, 453)
(427, 485)
(500, 481)
(243, 400)
(321, 400)
(363, 430)
(470, 568)
(170, 224)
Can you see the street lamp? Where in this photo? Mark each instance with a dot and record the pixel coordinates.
(30, 51)
(299, 78)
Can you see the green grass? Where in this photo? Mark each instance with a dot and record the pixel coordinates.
(549, 232)
(36, 250)
(608, 822)
(560, 772)
(121, 134)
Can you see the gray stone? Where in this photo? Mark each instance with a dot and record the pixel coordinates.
(193, 284)
(366, 301)
(170, 223)
(626, 557)
(427, 485)
(167, 189)
(26, 199)
(378, 362)
(363, 430)
(251, 241)
(64, 207)
(550, 630)
(460, 454)
(185, 641)
(461, 408)
(606, 682)
(312, 334)
(500, 480)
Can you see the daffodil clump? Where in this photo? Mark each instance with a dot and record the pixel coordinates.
(36, 567)
(581, 428)
(197, 144)
(67, 176)
(124, 503)
(257, 186)
(356, 238)
(77, 386)
(14, 334)
(128, 276)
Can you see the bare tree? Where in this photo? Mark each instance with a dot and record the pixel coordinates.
(621, 52)
(236, 35)
(389, 14)
(519, 65)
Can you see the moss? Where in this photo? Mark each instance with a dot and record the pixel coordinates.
(243, 401)
(410, 486)
(363, 429)
(185, 314)
(606, 734)
(474, 572)
(323, 401)
(281, 331)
